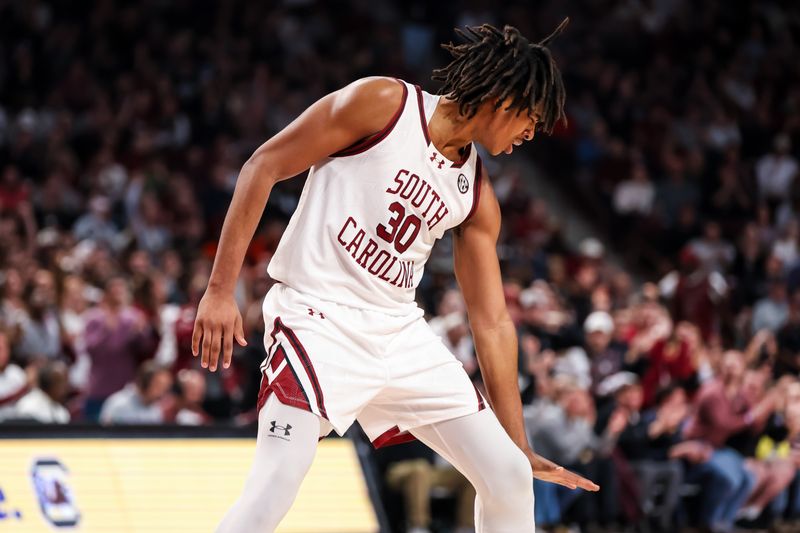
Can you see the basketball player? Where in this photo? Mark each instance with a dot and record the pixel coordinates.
(392, 169)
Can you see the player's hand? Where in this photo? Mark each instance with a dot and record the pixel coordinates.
(217, 323)
(547, 470)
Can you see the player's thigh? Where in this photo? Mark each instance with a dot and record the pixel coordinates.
(425, 384)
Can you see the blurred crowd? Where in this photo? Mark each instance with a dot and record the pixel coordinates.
(122, 129)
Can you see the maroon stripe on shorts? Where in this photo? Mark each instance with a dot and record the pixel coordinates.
(301, 353)
(285, 385)
(391, 437)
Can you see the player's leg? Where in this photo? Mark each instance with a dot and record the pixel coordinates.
(285, 448)
(478, 446)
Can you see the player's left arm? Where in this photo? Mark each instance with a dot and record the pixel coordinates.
(477, 270)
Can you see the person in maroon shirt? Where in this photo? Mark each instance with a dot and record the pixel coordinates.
(671, 362)
(695, 293)
(116, 336)
(722, 411)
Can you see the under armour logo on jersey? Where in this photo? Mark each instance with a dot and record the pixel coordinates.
(463, 184)
(275, 428)
(435, 159)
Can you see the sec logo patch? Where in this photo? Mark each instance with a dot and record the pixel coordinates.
(463, 184)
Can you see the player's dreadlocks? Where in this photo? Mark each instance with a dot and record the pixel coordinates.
(495, 64)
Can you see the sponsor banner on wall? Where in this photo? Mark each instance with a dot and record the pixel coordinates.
(175, 485)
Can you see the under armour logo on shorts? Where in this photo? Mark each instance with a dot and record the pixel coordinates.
(274, 428)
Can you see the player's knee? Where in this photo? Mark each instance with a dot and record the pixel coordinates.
(289, 479)
(510, 482)
(263, 504)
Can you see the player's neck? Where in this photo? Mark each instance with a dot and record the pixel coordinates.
(449, 130)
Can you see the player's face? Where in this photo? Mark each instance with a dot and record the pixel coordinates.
(508, 128)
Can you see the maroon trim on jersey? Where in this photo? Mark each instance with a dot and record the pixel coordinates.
(301, 353)
(422, 120)
(13, 397)
(464, 157)
(362, 145)
(391, 437)
(476, 187)
(481, 404)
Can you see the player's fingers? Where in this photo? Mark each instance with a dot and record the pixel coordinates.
(208, 333)
(582, 482)
(216, 345)
(240, 331)
(227, 345)
(197, 336)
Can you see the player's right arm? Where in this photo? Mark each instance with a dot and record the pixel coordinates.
(331, 124)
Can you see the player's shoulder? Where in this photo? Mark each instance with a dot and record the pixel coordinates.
(381, 88)
(375, 96)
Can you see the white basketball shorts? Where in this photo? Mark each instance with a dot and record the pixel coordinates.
(391, 373)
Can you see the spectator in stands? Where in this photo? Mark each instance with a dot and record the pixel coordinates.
(748, 268)
(646, 441)
(13, 303)
(139, 402)
(147, 218)
(785, 248)
(191, 385)
(773, 473)
(730, 203)
(40, 329)
(776, 172)
(115, 338)
(788, 506)
(676, 191)
(633, 198)
(712, 251)
(721, 412)
(73, 304)
(606, 355)
(788, 341)
(671, 361)
(566, 433)
(13, 380)
(45, 403)
(15, 206)
(96, 225)
(416, 472)
(695, 293)
(772, 311)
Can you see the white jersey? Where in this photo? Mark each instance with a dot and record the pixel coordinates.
(370, 214)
